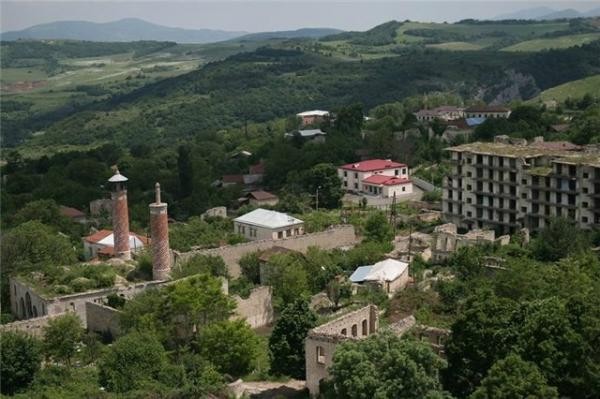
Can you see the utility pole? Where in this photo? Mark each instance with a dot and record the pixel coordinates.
(317, 198)
(393, 213)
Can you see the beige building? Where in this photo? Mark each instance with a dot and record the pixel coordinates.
(487, 111)
(444, 113)
(446, 240)
(321, 342)
(261, 198)
(505, 186)
(389, 274)
(264, 224)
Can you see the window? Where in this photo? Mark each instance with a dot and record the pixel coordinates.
(404, 171)
(354, 330)
(320, 355)
(355, 175)
(344, 331)
(345, 174)
(288, 232)
(345, 184)
(585, 190)
(523, 181)
(403, 188)
(584, 204)
(523, 195)
(469, 214)
(584, 219)
(365, 330)
(356, 185)
(395, 172)
(468, 200)
(469, 187)
(524, 209)
(280, 234)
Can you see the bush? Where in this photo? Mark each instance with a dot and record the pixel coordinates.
(202, 264)
(21, 360)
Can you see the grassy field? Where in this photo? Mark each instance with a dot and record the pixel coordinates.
(554, 43)
(456, 46)
(574, 89)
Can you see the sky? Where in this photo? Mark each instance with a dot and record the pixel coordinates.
(260, 16)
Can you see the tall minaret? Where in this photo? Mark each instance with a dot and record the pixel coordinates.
(159, 234)
(120, 217)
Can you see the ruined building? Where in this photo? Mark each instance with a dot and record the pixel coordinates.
(159, 231)
(120, 218)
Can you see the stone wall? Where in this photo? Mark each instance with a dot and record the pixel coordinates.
(333, 237)
(321, 342)
(102, 319)
(257, 309)
(32, 326)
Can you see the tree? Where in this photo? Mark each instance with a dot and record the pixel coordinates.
(349, 120)
(514, 378)
(385, 366)
(286, 344)
(338, 290)
(560, 239)
(21, 360)
(231, 346)
(202, 264)
(44, 211)
(61, 337)
(480, 336)
(131, 361)
(378, 229)
(288, 277)
(250, 265)
(33, 245)
(323, 178)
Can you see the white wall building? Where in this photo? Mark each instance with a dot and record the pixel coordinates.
(102, 243)
(263, 224)
(378, 177)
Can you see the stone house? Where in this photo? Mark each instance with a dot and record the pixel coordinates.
(390, 275)
(261, 198)
(264, 224)
(321, 342)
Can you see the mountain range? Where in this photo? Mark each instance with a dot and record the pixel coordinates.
(547, 13)
(133, 29)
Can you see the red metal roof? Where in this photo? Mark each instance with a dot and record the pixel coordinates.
(373, 164)
(385, 180)
(98, 236)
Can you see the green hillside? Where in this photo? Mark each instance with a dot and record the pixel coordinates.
(554, 43)
(574, 89)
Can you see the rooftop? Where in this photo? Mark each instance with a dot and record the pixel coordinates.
(316, 112)
(513, 150)
(107, 238)
(261, 195)
(487, 108)
(267, 218)
(71, 212)
(385, 180)
(386, 270)
(372, 165)
(307, 133)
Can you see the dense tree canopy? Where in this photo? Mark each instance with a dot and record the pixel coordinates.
(21, 359)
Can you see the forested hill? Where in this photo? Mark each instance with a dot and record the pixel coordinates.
(270, 83)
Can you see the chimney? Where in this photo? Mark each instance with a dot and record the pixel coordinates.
(120, 218)
(159, 234)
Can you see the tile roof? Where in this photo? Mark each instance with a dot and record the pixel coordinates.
(261, 195)
(373, 164)
(238, 179)
(487, 108)
(385, 180)
(267, 218)
(71, 212)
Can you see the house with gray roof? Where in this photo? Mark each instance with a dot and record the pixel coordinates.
(264, 224)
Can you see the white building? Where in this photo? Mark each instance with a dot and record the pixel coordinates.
(102, 243)
(312, 117)
(390, 274)
(487, 111)
(445, 113)
(263, 224)
(378, 177)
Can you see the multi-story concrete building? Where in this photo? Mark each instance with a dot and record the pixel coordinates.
(505, 186)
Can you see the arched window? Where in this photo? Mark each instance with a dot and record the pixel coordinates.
(23, 311)
(365, 330)
(35, 313)
(354, 330)
(28, 304)
(344, 331)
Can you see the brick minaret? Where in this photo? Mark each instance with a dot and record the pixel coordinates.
(120, 215)
(159, 234)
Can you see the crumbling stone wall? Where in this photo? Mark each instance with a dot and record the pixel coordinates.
(334, 237)
(103, 319)
(321, 342)
(257, 309)
(32, 326)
